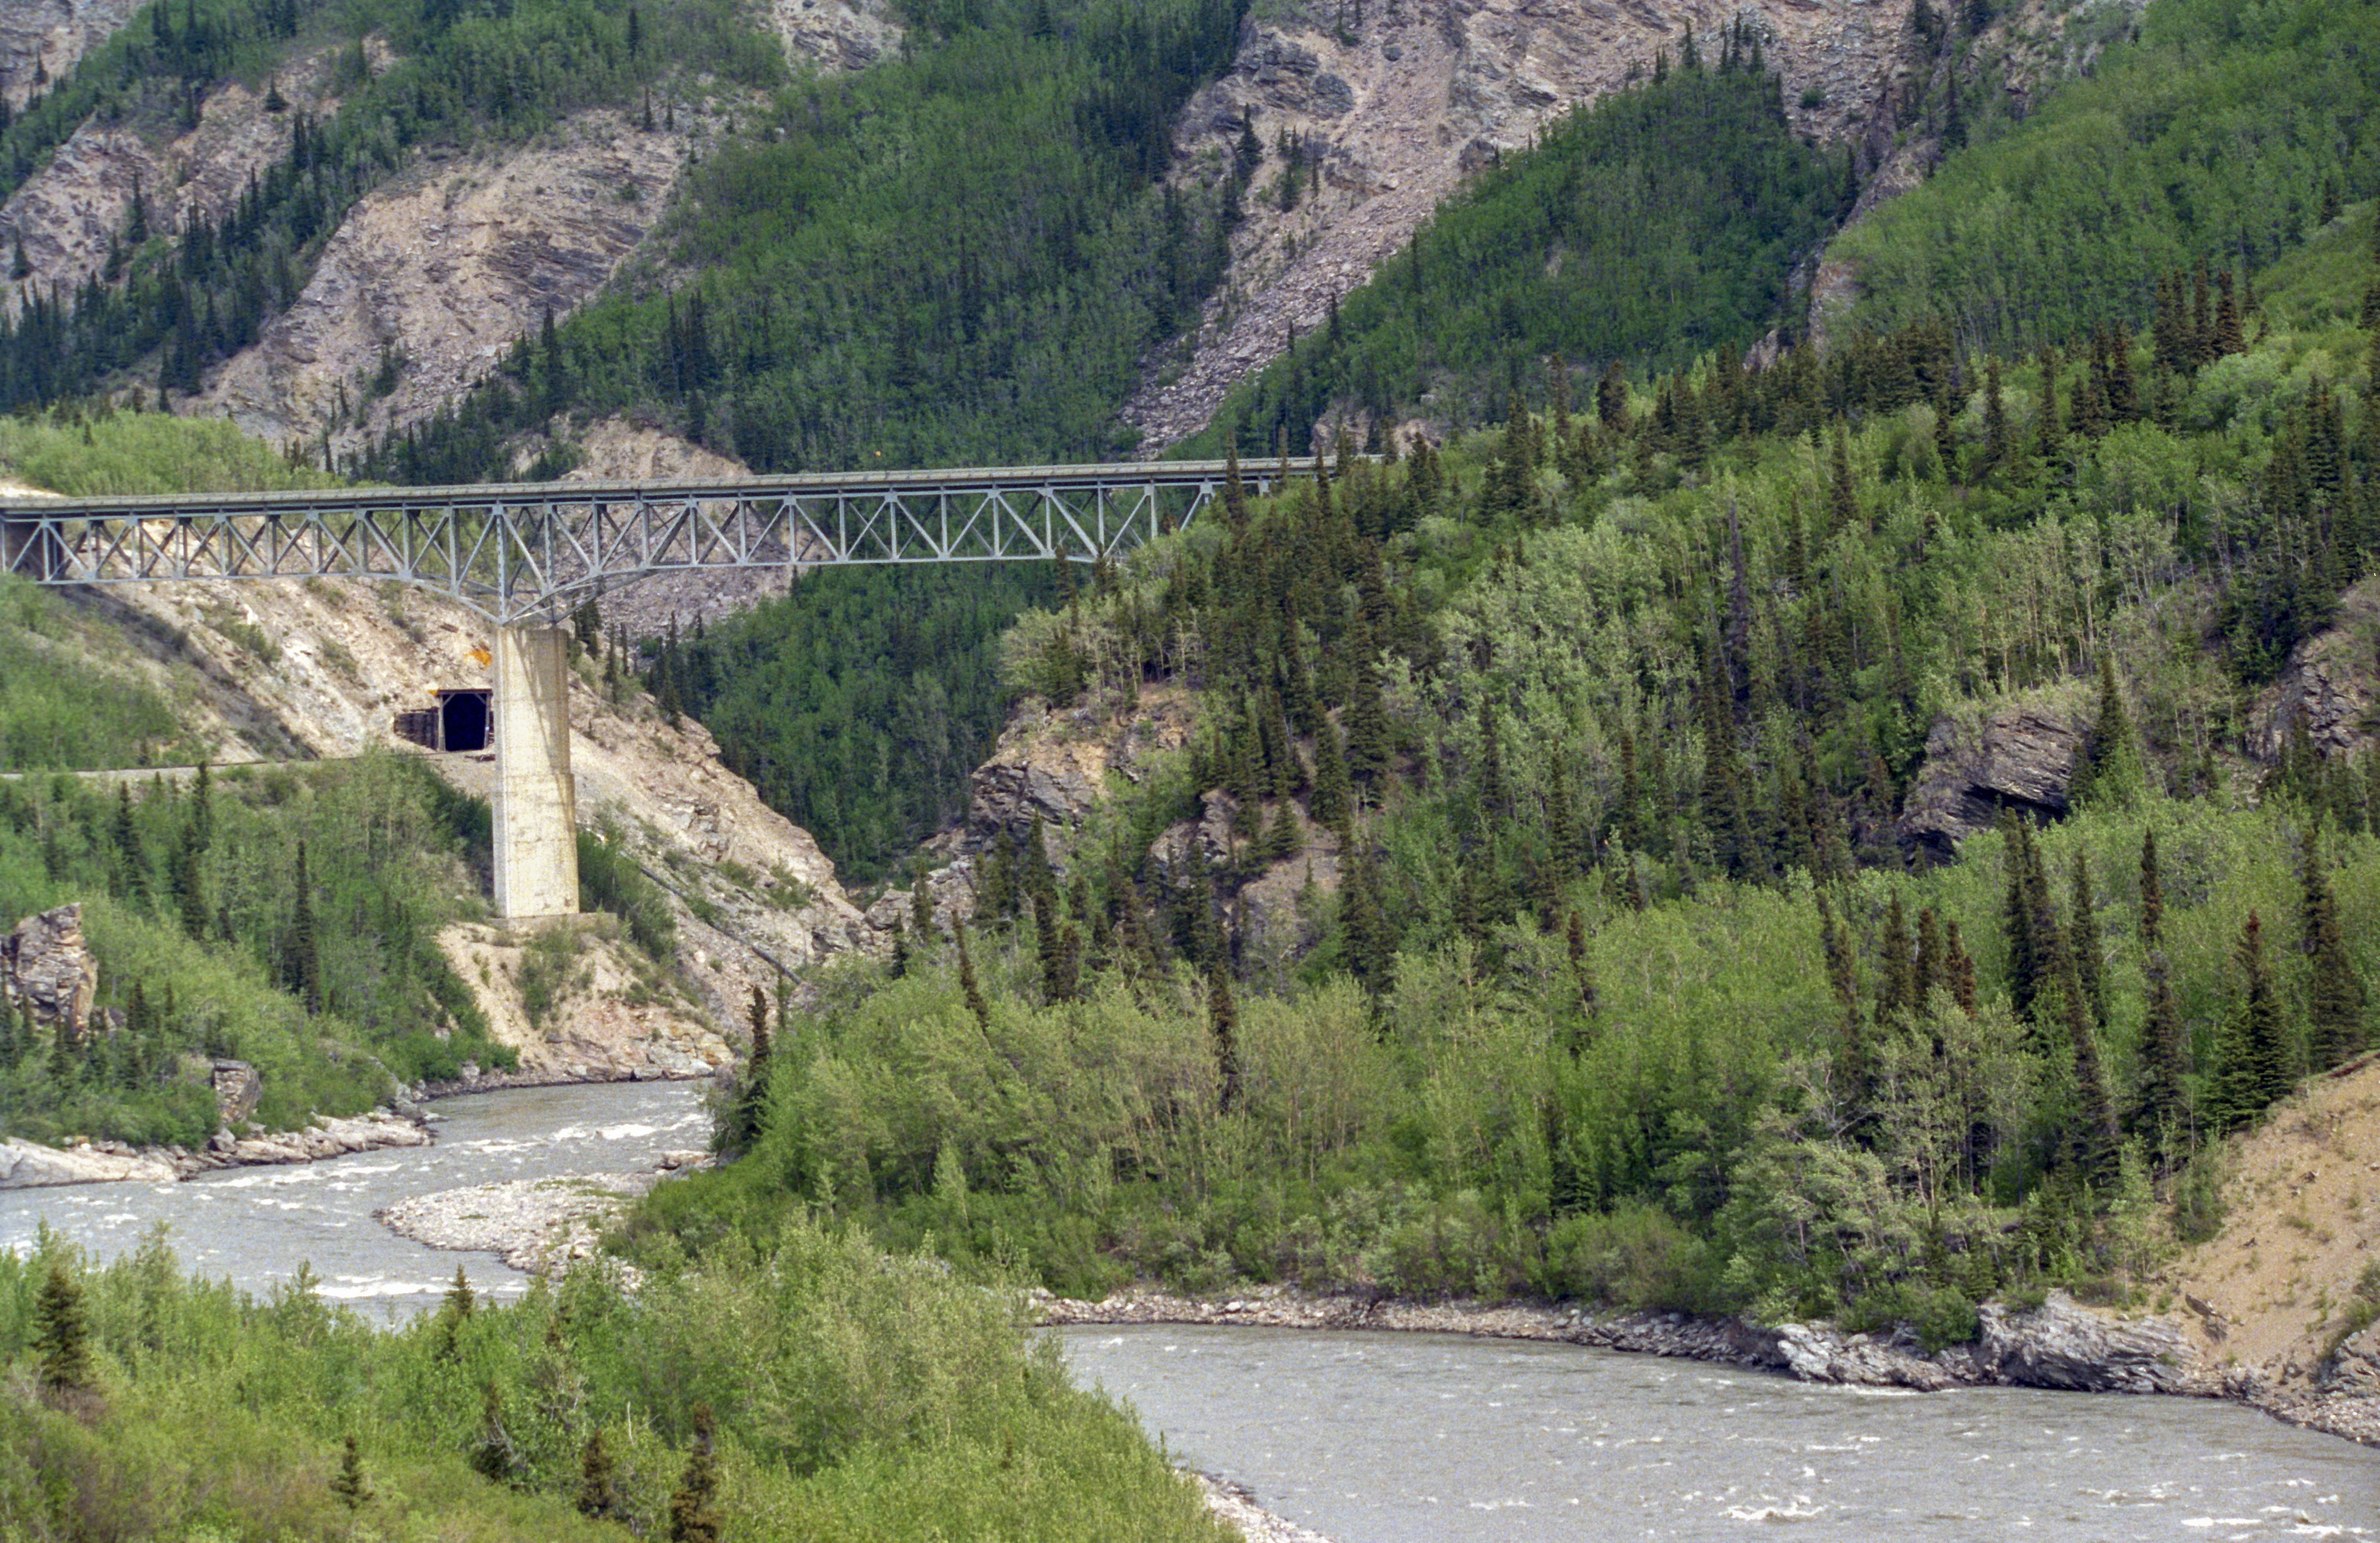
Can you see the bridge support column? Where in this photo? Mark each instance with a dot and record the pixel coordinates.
(536, 802)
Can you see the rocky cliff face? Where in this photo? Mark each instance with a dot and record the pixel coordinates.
(441, 270)
(2019, 759)
(68, 215)
(46, 968)
(40, 40)
(1414, 97)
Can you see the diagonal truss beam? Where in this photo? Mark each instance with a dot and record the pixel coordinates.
(517, 553)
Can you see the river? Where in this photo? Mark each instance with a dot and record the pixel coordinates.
(1374, 1438)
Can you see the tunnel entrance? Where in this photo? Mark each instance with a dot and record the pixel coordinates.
(463, 721)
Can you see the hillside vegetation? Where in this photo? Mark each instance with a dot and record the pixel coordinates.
(814, 1388)
(1608, 979)
(2219, 133)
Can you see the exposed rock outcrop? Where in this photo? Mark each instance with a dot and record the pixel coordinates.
(2327, 687)
(69, 214)
(2056, 1345)
(2060, 1345)
(835, 35)
(46, 966)
(2020, 758)
(44, 38)
(1405, 100)
(1055, 765)
(439, 270)
(24, 1165)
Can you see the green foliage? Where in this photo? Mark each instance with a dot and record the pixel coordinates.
(327, 1022)
(1654, 226)
(459, 72)
(1680, 712)
(958, 256)
(2210, 136)
(858, 704)
(848, 1395)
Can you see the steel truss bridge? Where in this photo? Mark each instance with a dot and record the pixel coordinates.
(526, 553)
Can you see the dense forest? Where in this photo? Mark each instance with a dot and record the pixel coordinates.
(170, 302)
(813, 1387)
(1653, 226)
(1580, 746)
(958, 257)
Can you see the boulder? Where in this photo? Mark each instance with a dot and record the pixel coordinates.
(24, 1165)
(2063, 1344)
(2020, 759)
(238, 1087)
(45, 963)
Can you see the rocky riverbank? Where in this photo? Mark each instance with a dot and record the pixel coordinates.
(26, 1166)
(2058, 1343)
(537, 1225)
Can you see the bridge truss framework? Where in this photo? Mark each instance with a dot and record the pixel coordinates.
(523, 552)
(523, 555)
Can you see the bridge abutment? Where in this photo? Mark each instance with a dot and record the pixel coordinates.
(536, 802)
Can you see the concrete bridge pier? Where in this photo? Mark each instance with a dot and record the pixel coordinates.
(537, 801)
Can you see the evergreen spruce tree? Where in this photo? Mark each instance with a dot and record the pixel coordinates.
(2335, 997)
(922, 926)
(62, 1334)
(301, 969)
(1223, 1025)
(349, 1486)
(2152, 892)
(1896, 992)
(2083, 941)
(598, 1491)
(2165, 1054)
(1855, 1057)
(1333, 796)
(2018, 923)
(494, 1455)
(1957, 966)
(2093, 1138)
(968, 989)
(2253, 1069)
(752, 1103)
(694, 1506)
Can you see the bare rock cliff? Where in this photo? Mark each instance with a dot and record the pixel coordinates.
(1409, 102)
(44, 38)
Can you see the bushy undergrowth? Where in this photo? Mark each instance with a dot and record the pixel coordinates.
(287, 918)
(847, 1394)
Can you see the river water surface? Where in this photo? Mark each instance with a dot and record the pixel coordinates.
(1374, 1438)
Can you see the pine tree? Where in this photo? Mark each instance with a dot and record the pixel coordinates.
(2152, 892)
(301, 969)
(2165, 1055)
(2093, 1138)
(2334, 994)
(922, 910)
(968, 989)
(493, 1455)
(1223, 1024)
(1855, 1059)
(694, 1506)
(1333, 795)
(349, 1486)
(2254, 1066)
(1957, 968)
(752, 1105)
(598, 1492)
(62, 1334)
(2082, 942)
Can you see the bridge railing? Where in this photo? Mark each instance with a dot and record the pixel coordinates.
(517, 552)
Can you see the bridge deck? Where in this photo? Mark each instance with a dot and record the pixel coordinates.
(518, 551)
